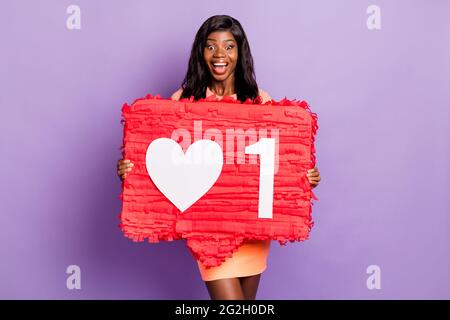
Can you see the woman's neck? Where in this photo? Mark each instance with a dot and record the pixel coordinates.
(223, 88)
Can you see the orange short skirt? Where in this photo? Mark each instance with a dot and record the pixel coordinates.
(249, 259)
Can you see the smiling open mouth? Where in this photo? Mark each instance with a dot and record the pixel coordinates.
(220, 68)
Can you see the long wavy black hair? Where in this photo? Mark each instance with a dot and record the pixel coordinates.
(198, 76)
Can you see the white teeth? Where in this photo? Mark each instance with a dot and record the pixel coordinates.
(220, 64)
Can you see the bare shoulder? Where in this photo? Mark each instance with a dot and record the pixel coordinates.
(177, 94)
(264, 95)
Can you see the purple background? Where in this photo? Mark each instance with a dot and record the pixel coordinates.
(383, 101)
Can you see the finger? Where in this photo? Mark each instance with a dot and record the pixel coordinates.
(125, 166)
(124, 170)
(122, 163)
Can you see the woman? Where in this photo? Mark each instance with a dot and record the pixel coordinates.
(221, 64)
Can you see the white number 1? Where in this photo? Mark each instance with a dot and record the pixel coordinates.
(265, 147)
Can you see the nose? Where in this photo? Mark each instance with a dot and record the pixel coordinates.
(220, 52)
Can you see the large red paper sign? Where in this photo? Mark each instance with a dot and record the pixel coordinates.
(255, 188)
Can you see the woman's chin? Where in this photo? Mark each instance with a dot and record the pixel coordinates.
(220, 77)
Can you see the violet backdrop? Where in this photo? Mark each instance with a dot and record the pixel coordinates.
(383, 102)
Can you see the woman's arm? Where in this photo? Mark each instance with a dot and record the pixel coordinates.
(177, 94)
(264, 95)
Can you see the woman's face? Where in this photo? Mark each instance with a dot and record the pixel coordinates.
(221, 54)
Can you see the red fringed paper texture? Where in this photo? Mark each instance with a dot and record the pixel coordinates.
(220, 221)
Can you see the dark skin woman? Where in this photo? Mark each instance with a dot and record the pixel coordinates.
(221, 61)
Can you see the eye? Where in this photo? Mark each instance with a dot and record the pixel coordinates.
(210, 47)
(230, 47)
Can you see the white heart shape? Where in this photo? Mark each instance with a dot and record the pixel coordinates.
(183, 178)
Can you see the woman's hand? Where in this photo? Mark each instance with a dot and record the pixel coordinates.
(313, 176)
(123, 167)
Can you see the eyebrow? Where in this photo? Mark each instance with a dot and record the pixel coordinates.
(223, 40)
